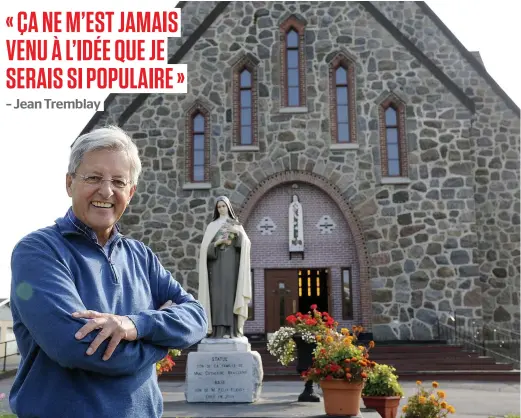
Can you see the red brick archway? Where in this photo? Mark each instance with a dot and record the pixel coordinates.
(352, 221)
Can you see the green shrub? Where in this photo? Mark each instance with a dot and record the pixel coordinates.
(382, 380)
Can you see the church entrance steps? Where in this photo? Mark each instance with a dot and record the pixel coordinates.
(413, 361)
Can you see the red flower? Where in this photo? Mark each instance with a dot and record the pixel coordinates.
(329, 377)
(335, 368)
(311, 322)
(291, 319)
(313, 307)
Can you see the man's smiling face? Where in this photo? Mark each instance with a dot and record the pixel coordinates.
(101, 206)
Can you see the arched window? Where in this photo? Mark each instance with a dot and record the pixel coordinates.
(198, 144)
(198, 148)
(393, 144)
(246, 106)
(245, 102)
(293, 68)
(342, 97)
(293, 85)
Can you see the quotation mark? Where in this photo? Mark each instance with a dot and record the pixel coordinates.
(9, 21)
(180, 78)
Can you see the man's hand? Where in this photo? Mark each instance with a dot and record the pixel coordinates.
(115, 327)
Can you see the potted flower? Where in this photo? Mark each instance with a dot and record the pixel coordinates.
(341, 367)
(427, 403)
(167, 363)
(382, 391)
(298, 339)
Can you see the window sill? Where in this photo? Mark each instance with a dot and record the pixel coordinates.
(197, 186)
(395, 180)
(302, 109)
(347, 145)
(244, 148)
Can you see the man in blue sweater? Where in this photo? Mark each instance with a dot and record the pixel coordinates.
(94, 310)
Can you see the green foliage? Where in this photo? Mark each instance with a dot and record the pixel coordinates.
(382, 381)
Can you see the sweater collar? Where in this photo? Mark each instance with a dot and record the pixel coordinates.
(71, 224)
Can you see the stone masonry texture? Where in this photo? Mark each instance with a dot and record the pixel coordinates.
(446, 241)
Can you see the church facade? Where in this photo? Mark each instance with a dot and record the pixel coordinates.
(401, 150)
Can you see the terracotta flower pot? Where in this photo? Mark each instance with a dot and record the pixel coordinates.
(341, 397)
(386, 406)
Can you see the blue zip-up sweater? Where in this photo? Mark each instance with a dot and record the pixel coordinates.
(62, 269)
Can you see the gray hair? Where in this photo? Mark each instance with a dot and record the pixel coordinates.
(110, 137)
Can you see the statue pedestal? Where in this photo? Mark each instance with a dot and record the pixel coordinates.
(210, 345)
(224, 371)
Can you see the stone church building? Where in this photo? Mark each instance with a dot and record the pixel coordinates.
(401, 149)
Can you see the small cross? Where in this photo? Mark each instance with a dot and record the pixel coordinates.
(326, 225)
(266, 227)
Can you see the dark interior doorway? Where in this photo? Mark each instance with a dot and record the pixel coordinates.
(312, 289)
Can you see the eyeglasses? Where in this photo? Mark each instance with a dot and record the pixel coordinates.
(94, 180)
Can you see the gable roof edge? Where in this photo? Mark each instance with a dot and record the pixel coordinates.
(480, 69)
(177, 57)
(419, 55)
(111, 97)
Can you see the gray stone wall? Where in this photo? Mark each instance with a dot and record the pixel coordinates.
(495, 143)
(422, 236)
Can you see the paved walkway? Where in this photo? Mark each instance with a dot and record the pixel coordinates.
(471, 400)
(278, 399)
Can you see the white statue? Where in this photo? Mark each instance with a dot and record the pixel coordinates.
(225, 288)
(296, 226)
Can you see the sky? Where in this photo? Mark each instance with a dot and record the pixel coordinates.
(35, 144)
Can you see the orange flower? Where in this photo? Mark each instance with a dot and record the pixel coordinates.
(441, 394)
(435, 385)
(418, 382)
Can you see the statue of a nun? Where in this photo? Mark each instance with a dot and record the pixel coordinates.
(224, 273)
